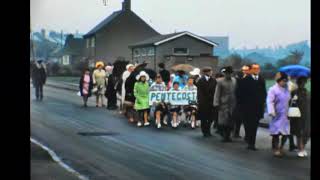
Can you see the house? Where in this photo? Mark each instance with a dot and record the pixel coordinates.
(73, 50)
(223, 49)
(176, 48)
(109, 40)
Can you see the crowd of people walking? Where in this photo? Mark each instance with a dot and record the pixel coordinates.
(224, 101)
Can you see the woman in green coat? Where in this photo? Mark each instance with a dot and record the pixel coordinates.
(141, 93)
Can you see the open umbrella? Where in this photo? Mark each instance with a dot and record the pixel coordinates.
(295, 71)
(182, 67)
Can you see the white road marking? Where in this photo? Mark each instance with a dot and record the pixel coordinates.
(58, 160)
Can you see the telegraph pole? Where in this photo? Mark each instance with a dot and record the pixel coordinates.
(105, 2)
(32, 42)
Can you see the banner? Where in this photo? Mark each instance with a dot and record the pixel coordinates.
(173, 97)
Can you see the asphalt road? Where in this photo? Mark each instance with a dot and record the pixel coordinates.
(44, 168)
(101, 144)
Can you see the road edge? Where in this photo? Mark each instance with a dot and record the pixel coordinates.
(56, 158)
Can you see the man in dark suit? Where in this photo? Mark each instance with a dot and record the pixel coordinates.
(165, 74)
(253, 101)
(39, 77)
(206, 89)
(238, 114)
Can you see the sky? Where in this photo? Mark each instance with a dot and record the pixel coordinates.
(248, 23)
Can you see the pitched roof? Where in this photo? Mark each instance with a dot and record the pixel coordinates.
(160, 39)
(152, 40)
(103, 23)
(74, 46)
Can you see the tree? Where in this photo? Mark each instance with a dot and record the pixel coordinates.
(236, 61)
(269, 67)
(294, 57)
(54, 68)
(268, 70)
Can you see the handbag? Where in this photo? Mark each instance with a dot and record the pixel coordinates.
(94, 90)
(79, 93)
(294, 112)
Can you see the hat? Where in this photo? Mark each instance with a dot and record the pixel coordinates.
(109, 68)
(196, 71)
(142, 73)
(227, 69)
(206, 69)
(281, 76)
(129, 65)
(99, 63)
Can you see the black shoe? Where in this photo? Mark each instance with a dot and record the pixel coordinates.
(206, 135)
(252, 148)
(292, 148)
(226, 140)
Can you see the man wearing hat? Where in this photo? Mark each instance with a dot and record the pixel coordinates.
(253, 103)
(39, 77)
(225, 102)
(206, 89)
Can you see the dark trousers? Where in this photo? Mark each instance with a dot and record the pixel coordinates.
(39, 91)
(205, 126)
(226, 131)
(237, 120)
(237, 126)
(251, 127)
(112, 99)
(291, 141)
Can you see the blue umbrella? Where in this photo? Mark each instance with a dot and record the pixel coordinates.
(295, 71)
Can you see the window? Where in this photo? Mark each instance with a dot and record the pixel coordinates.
(93, 42)
(204, 54)
(151, 52)
(66, 60)
(88, 43)
(180, 51)
(143, 52)
(136, 53)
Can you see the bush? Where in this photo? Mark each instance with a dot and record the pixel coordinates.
(65, 71)
(267, 74)
(54, 68)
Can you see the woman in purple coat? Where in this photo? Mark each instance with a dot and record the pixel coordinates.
(278, 104)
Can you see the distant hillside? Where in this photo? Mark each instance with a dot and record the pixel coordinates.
(262, 59)
(272, 55)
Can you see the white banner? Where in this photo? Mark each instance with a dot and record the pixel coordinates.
(173, 97)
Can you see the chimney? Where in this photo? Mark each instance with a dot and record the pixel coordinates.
(43, 33)
(126, 5)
